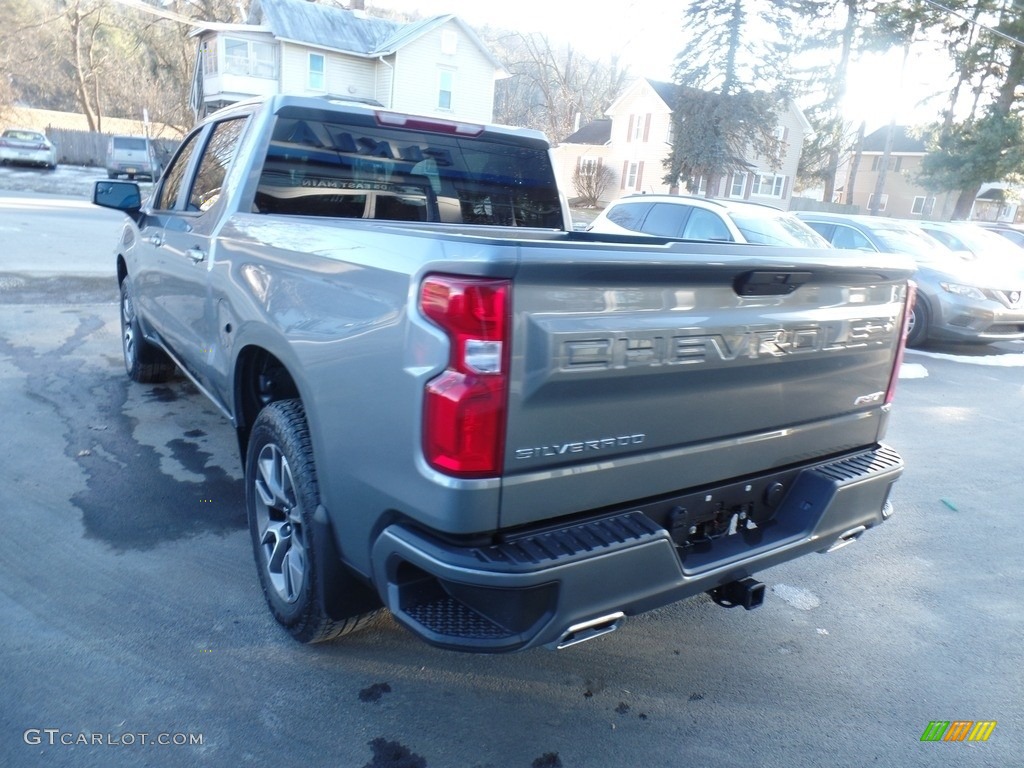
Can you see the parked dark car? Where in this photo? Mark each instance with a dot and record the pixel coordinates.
(959, 297)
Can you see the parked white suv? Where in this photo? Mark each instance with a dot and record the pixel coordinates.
(701, 218)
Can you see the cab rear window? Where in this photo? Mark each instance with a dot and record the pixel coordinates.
(321, 168)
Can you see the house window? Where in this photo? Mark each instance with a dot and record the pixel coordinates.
(246, 57)
(738, 186)
(444, 89)
(631, 175)
(209, 53)
(264, 60)
(884, 201)
(638, 127)
(894, 164)
(449, 42)
(922, 205)
(317, 66)
(768, 185)
(588, 165)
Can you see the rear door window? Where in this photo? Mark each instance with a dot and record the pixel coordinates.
(214, 164)
(666, 219)
(850, 238)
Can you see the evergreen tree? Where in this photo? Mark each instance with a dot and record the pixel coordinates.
(732, 84)
(979, 137)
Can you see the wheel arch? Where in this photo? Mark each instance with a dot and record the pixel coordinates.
(261, 378)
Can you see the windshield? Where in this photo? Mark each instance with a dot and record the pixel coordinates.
(921, 246)
(777, 229)
(979, 242)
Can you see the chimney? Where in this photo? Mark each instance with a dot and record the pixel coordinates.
(357, 5)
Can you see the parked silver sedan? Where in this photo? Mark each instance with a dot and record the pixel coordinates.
(25, 147)
(960, 297)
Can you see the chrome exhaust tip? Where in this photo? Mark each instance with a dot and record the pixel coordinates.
(588, 630)
(846, 537)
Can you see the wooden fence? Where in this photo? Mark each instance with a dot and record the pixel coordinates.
(90, 148)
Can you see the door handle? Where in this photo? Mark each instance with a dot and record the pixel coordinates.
(155, 239)
(196, 254)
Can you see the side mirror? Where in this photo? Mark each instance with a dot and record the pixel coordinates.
(119, 195)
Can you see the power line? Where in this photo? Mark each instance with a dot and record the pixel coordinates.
(164, 14)
(973, 22)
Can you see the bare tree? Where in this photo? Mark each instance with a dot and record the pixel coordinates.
(591, 182)
(552, 88)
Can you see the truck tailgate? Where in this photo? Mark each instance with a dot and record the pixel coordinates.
(660, 368)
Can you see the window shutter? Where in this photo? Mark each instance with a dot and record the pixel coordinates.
(639, 175)
(785, 133)
(647, 126)
(599, 163)
(785, 186)
(579, 162)
(629, 131)
(625, 172)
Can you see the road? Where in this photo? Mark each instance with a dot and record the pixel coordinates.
(129, 603)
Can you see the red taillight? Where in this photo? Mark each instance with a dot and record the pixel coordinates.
(464, 407)
(890, 393)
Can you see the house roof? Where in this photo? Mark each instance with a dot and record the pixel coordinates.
(598, 132)
(351, 32)
(902, 142)
(322, 25)
(670, 94)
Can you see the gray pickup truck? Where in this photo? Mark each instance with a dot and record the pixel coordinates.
(508, 433)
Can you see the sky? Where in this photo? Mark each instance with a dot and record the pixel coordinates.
(647, 35)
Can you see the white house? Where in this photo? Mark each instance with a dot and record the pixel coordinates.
(635, 140)
(436, 67)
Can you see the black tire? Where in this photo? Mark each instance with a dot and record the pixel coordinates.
(144, 362)
(281, 496)
(111, 175)
(920, 320)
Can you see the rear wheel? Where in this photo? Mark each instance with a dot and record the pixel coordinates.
(144, 362)
(917, 331)
(281, 496)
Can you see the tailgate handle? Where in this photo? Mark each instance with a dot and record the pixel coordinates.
(769, 282)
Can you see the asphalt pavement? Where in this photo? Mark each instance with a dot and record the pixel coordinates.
(133, 631)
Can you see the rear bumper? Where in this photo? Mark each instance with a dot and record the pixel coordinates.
(539, 587)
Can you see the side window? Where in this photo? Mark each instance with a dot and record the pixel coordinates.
(705, 225)
(174, 178)
(629, 215)
(214, 164)
(666, 219)
(823, 229)
(847, 237)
